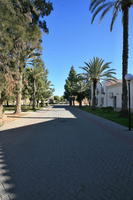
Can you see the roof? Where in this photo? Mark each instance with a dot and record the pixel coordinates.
(113, 83)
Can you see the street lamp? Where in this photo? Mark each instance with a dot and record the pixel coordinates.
(128, 78)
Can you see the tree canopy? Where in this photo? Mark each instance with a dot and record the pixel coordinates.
(70, 85)
(21, 26)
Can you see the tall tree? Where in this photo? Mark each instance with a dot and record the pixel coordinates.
(7, 20)
(123, 7)
(97, 70)
(35, 11)
(21, 24)
(26, 54)
(20, 34)
(37, 87)
(70, 86)
(81, 89)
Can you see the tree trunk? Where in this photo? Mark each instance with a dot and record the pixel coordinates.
(34, 95)
(1, 110)
(80, 103)
(70, 101)
(1, 113)
(37, 103)
(125, 58)
(30, 103)
(73, 101)
(94, 94)
(19, 94)
(42, 103)
(7, 103)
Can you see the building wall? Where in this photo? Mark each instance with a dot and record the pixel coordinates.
(111, 95)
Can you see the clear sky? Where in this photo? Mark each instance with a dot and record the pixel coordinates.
(73, 40)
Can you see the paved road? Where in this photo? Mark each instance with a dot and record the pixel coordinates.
(65, 154)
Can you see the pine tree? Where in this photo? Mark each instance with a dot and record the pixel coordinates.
(70, 91)
(37, 87)
(20, 24)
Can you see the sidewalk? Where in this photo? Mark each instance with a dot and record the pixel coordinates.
(26, 118)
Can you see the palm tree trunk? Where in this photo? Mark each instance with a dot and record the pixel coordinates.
(125, 58)
(94, 94)
(19, 94)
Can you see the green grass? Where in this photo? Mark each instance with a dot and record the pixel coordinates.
(109, 114)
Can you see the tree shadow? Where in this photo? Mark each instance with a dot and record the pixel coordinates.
(27, 155)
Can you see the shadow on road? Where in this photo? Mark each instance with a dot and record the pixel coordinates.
(26, 157)
(64, 159)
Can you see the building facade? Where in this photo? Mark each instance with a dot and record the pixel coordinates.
(110, 95)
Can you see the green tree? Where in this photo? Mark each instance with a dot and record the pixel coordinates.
(6, 88)
(70, 92)
(62, 99)
(123, 7)
(57, 99)
(82, 89)
(37, 86)
(97, 70)
(7, 19)
(20, 24)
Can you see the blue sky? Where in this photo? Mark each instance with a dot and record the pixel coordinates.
(73, 40)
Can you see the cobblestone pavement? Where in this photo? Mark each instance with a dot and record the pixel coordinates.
(63, 153)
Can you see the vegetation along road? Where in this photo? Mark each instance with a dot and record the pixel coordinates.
(63, 153)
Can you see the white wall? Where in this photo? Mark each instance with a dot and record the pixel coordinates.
(114, 91)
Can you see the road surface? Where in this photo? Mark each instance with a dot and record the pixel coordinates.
(63, 153)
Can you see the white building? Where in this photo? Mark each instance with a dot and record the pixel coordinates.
(110, 94)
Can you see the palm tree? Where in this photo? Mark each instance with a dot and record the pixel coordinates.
(117, 6)
(97, 70)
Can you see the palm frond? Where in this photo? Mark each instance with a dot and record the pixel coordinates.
(106, 11)
(110, 79)
(97, 3)
(115, 14)
(96, 69)
(92, 4)
(98, 10)
(105, 67)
